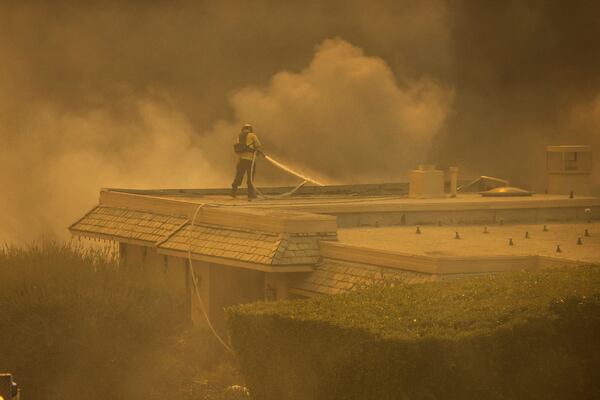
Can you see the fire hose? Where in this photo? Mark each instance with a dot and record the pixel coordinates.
(195, 282)
(282, 167)
(196, 290)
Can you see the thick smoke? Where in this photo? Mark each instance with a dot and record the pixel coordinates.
(582, 124)
(344, 117)
(54, 170)
(521, 70)
(146, 94)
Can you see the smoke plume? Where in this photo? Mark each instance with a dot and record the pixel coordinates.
(520, 69)
(139, 94)
(54, 170)
(344, 116)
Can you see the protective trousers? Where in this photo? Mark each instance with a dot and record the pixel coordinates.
(244, 167)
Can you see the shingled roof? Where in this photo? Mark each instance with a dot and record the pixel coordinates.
(336, 276)
(238, 240)
(124, 223)
(247, 245)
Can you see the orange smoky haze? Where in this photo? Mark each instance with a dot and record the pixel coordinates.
(55, 169)
(525, 75)
(344, 116)
(139, 94)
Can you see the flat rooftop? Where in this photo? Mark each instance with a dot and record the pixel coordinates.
(358, 198)
(373, 226)
(440, 240)
(379, 205)
(348, 197)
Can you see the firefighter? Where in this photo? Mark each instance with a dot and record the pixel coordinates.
(246, 147)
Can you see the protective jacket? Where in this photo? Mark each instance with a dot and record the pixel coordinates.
(252, 145)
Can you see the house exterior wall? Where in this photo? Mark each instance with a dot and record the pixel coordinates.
(203, 283)
(277, 286)
(231, 286)
(167, 271)
(218, 286)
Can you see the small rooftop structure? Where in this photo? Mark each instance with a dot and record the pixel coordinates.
(569, 169)
(426, 182)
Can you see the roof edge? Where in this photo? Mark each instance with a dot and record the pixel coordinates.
(236, 263)
(278, 221)
(441, 265)
(103, 236)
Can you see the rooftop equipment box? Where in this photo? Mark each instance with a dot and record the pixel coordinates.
(569, 169)
(426, 182)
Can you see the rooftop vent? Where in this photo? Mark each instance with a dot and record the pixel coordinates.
(506, 191)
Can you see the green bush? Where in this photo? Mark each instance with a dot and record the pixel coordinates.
(525, 335)
(75, 326)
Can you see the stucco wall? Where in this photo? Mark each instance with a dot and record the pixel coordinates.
(218, 286)
(171, 272)
(230, 286)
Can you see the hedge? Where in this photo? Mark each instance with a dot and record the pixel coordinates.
(75, 326)
(524, 335)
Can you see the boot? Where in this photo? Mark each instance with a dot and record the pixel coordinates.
(234, 191)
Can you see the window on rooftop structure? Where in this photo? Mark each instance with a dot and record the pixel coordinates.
(165, 263)
(570, 160)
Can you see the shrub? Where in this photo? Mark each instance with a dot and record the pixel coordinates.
(75, 326)
(525, 335)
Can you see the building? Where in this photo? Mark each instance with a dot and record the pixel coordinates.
(328, 240)
(569, 169)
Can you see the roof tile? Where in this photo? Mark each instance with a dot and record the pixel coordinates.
(125, 223)
(335, 276)
(225, 242)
